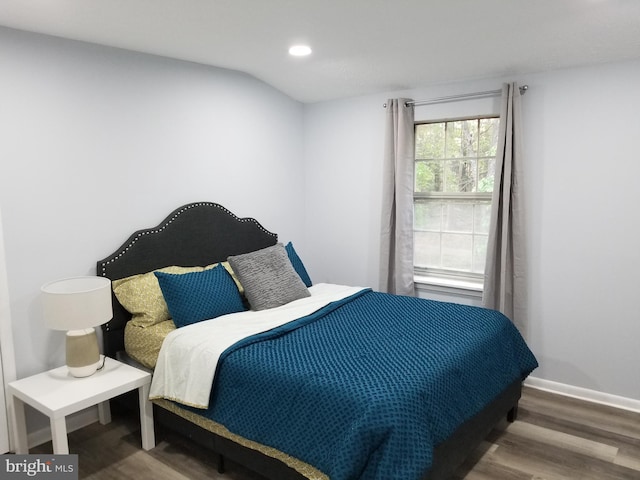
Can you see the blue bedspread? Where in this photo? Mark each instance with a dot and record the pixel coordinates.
(367, 387)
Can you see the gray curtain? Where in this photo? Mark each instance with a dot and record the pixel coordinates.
(396, 242)
(505, 287)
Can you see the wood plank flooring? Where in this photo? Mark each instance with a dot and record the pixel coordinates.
(555, 437)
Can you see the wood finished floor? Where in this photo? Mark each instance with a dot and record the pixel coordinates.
(555, 437)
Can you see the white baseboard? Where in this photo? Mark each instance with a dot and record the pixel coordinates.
(584, 394)
(74, 422)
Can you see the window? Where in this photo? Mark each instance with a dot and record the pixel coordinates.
(454, 170)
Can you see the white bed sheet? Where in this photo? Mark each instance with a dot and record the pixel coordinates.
(189, 355)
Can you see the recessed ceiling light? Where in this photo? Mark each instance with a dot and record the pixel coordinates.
(300, 50)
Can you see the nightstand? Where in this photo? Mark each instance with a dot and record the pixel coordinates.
(57, 394)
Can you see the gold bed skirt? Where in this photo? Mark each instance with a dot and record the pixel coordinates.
(308, 471)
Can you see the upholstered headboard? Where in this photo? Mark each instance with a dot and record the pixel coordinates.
(199, 233)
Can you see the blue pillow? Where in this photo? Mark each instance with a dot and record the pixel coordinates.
(193, 297)
(297, 264)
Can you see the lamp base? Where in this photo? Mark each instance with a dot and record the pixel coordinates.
(83, 355)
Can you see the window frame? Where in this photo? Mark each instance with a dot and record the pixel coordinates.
(449, 278)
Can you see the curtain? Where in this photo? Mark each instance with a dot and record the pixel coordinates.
(396, 241)
(505, 286)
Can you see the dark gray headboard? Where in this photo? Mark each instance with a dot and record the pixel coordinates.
(199, 233)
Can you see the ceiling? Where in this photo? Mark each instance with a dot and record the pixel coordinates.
(359, 46)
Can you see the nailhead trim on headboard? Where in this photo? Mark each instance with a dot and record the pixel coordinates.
(179, 212)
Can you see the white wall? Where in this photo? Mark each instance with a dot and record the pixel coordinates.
(7, 355)
(582, 173)
(97, 142)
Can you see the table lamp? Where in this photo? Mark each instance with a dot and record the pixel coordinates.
(78, 305)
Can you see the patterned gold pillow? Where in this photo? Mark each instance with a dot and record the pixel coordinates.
(142, 297)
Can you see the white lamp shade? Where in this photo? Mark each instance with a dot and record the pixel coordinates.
(77, 303)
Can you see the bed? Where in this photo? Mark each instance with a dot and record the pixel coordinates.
(201, 236)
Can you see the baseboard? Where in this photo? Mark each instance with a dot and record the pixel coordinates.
(74, 422)
(594, 396)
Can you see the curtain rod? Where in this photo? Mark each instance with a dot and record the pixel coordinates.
(463, 96)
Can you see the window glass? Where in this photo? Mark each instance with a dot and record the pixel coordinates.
(454, 177)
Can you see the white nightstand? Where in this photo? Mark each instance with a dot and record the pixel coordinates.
(57, 394)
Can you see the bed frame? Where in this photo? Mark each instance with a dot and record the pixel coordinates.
(203, 233)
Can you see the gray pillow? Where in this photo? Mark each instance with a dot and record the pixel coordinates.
(268, 277)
